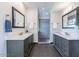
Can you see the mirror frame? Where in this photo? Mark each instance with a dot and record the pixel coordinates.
(67, 14)
(13, 20)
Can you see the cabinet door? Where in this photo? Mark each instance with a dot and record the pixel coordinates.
(26, 42)
(65, 47)
(54, 39)
(15, 48)
(28, 45)
(74, 48)
(58, 41)
(62, 45)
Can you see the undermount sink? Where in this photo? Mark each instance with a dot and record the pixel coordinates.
(64, 33)
(21, 33)
(67, 33)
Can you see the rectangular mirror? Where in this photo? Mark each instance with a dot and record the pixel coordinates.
(18, 19)
(71, 19)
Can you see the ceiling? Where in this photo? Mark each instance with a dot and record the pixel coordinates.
(56, 6)
(38, 4)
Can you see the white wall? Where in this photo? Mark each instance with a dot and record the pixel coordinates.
(55, 23)
(6, 8)
(70, 7)
(2, 35)
(56, 19)
(32, 22)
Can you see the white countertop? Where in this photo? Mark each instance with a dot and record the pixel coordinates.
(68, 37)
(17, 36)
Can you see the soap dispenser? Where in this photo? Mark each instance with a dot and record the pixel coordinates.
(8, 27)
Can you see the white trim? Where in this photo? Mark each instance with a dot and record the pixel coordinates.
(43, 42)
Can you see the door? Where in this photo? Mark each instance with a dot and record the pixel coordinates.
(44, 24)
(44, 29)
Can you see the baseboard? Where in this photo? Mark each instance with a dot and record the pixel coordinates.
(51, 43)
(43, 43)
(35, 42)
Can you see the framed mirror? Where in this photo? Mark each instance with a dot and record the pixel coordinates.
(69, 20)
(18, 19)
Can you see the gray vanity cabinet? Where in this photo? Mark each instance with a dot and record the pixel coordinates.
(28, 45)
(61, 45)
(19, 48)
(74, 48)
(67, 48)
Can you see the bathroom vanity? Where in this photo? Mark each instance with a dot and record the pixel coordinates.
(19, 45)
(67, 45)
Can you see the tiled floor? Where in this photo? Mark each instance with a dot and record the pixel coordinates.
(44, 50)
